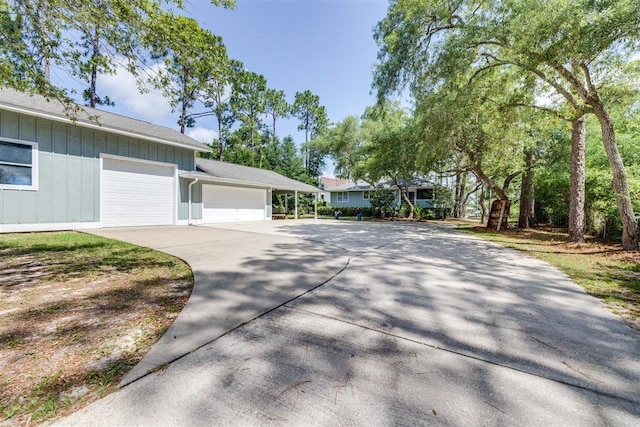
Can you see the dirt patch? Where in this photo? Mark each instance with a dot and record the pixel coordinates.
(76, 313)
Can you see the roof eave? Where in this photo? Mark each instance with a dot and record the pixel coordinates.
(91, 125)
(210, 178)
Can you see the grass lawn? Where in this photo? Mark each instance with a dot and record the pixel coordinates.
(603, 269)
(76, 313)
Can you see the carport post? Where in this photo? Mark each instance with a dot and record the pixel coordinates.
(315, 208)
(296, 205)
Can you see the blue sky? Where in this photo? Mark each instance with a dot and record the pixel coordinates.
(325, 46)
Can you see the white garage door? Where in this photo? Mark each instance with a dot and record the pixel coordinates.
(231, 204)
(137, 193)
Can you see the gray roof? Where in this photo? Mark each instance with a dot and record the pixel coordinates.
(231, 173)
(52, 109)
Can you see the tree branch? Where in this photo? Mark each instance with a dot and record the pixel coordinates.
(508, 180)
(573, 81)
(551, 111)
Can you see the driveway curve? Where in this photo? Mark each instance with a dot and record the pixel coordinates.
(238, 276)
(407, 324)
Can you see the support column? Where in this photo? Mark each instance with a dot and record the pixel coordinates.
(286, 205)
(315, 208)
(296, 205)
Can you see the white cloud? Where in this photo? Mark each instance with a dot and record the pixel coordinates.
(202, 134)
(123, 90)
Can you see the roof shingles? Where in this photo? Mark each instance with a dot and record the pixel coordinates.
(233, 172)
(39, 106)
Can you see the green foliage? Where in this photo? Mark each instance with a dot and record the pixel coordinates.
(88, 37)
(382, 200)
(552, 180)
(581, 51)
(345, 143)
(249, 103)
(367, 212)
(276, 107)
(313, 116)
(191, 56)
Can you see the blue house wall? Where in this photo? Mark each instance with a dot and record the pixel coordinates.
(68, 187)
(356, 199)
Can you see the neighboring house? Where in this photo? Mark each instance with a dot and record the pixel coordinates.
(103, 170)
(421, 193)
(326, 184)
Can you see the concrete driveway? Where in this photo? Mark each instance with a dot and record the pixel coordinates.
(376, 324)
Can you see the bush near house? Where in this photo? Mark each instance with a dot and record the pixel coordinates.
(345, 211)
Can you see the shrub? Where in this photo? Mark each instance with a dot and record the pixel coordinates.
(345, 211)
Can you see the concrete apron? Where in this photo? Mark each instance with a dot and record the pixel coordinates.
(238, 276)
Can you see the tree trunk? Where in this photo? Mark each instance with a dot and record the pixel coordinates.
(623, 198)
(461, 184)
(577, 197)
(95, 41)
(405, 197)
(527, 194)
(483, 205)
(183, 102)
(500, 194)
(496, 210)
(220, 138)
(45, 40)
(274, 127)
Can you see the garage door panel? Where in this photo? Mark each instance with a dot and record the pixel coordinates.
(137, 193)
(231, 204)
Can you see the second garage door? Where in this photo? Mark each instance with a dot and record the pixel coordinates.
(232, 204)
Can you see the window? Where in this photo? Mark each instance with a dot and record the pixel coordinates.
(343, 196)
(366, 195)
(425, 193)
(18, 165)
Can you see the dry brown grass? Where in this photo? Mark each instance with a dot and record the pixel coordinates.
(76, 313)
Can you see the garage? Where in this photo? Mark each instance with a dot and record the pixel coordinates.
(232, 204)
(135, 193)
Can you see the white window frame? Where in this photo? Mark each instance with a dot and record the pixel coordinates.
(366, 195)
(33, 165)
(342, 197)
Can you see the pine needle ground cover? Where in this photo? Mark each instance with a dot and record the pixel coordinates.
(76, 313)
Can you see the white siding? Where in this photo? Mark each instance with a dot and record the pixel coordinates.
(232, 204)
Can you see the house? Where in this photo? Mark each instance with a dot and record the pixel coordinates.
(325, 184)
(101, 169)
(420, 192)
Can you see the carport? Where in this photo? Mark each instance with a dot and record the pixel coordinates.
(227, 192)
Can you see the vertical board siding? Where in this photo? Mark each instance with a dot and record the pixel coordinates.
(88, 183)
(69, 170)
(356, 199)
(45, 194)
(28, 206)
(10, 125)
(44, 136)
(60, 187)
(75, 196)
(28, 129)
